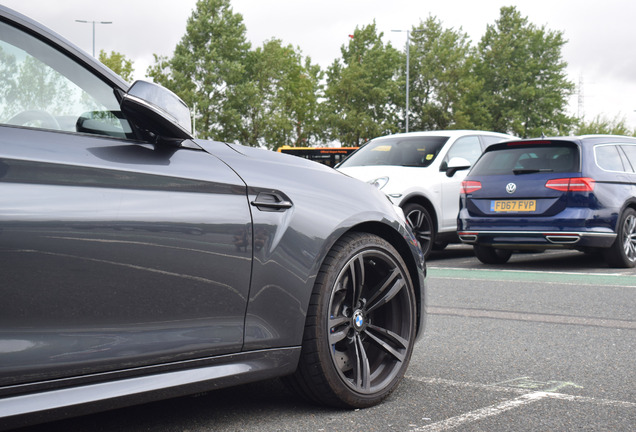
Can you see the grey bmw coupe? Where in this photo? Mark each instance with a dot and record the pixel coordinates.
(139, 263)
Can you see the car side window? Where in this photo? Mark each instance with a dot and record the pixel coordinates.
(42, 88)
(466, 147)
(630, 152)
(608, 158)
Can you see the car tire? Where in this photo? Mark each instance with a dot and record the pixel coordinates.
(490, 255)
(361, 325)
(421, 222)
(439, 246)
(622, 254)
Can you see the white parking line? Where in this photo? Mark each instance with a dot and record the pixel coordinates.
(482, 413)
(452, 383)
(496, 409)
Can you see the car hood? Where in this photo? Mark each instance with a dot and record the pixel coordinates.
(266, 168)
(368, 173)
(229, 152)
(279, 158)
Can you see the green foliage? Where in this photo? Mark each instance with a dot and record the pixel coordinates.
(280, 97)
(362, 94)
(207, 69)
(118, 63)
(513, 81)
(525, 89)
(440, 74)
(30, 85)
(8, 72)
(264, 97)
(605, 126)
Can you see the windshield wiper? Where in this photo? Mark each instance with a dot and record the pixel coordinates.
(531, 170)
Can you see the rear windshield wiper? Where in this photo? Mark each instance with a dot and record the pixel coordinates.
(531, 170)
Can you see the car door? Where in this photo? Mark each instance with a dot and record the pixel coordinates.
(469, 148)
(114, 253)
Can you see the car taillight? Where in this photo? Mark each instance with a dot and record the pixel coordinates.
(470, 186)
(574, 184)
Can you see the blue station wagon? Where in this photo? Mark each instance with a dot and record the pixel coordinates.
(571, 192)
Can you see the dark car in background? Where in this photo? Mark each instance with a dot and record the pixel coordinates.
(139, 263)
(568, 192)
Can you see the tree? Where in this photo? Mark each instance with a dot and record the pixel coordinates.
(440, 74)
(605, 126)
(525, 89)
(207, 69)
(281, 97)
(32, 85)
(8, 73)
(118, 63)
(362, 93)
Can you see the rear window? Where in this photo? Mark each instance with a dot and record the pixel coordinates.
(516, 159)
(411, 151)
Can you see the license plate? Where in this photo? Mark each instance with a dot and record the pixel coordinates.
(513, 206)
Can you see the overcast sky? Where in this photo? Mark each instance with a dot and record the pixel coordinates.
(599, 51)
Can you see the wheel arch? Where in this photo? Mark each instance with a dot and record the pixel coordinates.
(621, 253)
(427, 204)
(630, 203)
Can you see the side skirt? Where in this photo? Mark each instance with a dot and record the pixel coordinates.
(109, 391)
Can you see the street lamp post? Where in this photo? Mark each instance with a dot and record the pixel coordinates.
(93, 22)
(408, 45)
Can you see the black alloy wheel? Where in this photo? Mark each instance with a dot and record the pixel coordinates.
(421, 222)
(361, 325)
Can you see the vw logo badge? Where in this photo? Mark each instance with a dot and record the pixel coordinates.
(358, 320)
(511, 188)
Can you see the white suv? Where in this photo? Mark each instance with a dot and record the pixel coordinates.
(422, 173)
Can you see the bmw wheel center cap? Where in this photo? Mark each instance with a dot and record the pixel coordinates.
(358, 320)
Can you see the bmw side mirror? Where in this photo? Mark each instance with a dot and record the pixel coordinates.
(157, 110)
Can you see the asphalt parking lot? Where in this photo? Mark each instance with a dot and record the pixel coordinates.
(546, 342)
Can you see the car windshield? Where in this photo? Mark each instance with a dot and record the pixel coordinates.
(518, 160)
(411, 151)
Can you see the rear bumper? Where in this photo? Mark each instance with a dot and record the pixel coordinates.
(542, 239)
